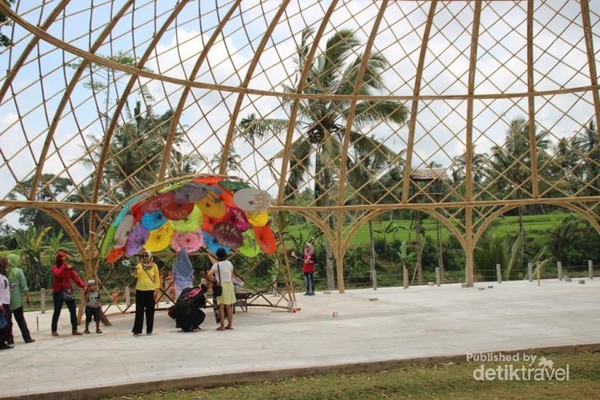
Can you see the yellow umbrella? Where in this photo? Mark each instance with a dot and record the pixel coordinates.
(160, 238)
(258, 220)
(212, 205)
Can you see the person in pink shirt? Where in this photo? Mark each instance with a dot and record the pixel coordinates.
(63, 273)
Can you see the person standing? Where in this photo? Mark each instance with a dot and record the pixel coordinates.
(6, 330)
(18, 288)
(92, 306)
(62, 291)
(308, 269)
(146, 289)
(222, 272)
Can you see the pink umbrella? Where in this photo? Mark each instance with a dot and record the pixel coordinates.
(238, 218)
(189, 242)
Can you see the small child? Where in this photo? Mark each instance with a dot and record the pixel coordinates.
(92, 305)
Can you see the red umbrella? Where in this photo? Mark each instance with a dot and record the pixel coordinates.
(115, 254)
(266, 238)
(156, 202)
(176, 211)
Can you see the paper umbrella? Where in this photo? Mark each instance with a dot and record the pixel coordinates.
(207, 211)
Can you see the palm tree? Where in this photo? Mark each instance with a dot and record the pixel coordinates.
(509, 173)
(5, 40)
(321, 122)
(135, 151)
(586, 142)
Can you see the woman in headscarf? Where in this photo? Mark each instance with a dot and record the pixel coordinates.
(183, 273)
(62, 291)
(308, 269)
(146, 290)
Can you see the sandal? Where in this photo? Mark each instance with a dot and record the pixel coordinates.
(98, 331)
(220, 328)
(54, 333)
(87, 332)
(229, 328)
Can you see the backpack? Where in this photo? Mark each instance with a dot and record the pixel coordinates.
(185, 301)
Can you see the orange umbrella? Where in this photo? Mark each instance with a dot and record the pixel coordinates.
(209, 180)
(266, 239)
(209, 222)
(115, 255)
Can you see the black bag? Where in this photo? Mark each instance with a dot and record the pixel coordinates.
(67, 294)
(217, 289)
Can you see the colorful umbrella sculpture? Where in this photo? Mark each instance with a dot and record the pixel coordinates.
(208, 212)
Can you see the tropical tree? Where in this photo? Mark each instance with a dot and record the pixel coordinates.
(5, 40)
(322, 120)
(34, 217)
(586, 142)
(31, 242)
(135, 151)
(509, 171)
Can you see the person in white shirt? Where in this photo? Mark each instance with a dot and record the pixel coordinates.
(222, 272)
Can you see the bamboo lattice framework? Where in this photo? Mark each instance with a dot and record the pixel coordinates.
(336, 108)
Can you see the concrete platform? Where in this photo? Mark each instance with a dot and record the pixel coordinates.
(372, 329)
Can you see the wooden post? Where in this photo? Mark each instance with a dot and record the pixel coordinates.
(560, 271)
(499, 273)
(537, 265)
(590, 269)
(43, 300)
(438, 276)
(405, 276)
(374, 277)
(530, 271)
(127, 296)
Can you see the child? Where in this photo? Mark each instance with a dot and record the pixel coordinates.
(92, 305)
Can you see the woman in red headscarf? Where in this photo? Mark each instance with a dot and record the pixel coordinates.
(62, 291)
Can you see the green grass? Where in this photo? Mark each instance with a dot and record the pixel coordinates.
(535, 225)
(430, 381)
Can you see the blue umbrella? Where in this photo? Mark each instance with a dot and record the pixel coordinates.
(212, 244)
(125, 210)
(153, 220)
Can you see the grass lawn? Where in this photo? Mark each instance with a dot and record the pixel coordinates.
(431, 381)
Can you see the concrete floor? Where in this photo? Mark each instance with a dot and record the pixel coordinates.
(372, 329)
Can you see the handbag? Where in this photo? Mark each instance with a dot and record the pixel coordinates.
(67, 294)
(217, 288)
(3, 319)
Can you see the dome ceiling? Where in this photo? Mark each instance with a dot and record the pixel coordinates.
(331, 106)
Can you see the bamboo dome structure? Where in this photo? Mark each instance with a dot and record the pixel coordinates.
(332, 107)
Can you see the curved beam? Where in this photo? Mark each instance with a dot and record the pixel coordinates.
(67, 96)
(187, 89)
(246, 82)
(412, 122)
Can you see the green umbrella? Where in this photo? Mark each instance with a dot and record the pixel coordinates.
(190, 224)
